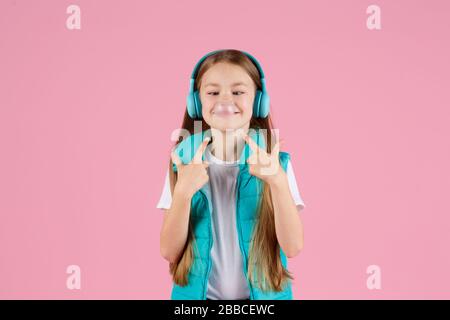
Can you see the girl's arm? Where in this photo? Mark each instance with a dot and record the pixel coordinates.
(288, 225)
(174, 230)
(191, 177)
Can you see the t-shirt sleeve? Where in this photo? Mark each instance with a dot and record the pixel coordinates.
(294, 187)
(165, 200)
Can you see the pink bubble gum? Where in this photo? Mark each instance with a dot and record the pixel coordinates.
(225, 109)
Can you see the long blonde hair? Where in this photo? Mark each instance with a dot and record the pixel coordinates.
(265, 251)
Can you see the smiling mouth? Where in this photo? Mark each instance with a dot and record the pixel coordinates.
(224, 114)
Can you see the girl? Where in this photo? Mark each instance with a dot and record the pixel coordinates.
(230, 199)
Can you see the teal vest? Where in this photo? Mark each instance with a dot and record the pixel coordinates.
(248, 190)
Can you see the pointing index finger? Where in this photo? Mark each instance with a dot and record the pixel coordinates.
(199, 153)
(276, 148)
(253, 145)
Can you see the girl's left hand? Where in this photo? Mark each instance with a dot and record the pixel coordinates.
(263, 165)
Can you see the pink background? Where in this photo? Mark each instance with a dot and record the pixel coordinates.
(86, 117)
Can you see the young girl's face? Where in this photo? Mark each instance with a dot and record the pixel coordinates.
(227, 83)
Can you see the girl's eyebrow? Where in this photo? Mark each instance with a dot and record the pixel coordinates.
(233, 84)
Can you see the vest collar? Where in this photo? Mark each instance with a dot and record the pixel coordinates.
(188, 146)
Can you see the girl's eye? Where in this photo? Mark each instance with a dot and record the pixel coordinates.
(215, 92)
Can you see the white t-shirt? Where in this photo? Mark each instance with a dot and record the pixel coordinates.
(227, 280)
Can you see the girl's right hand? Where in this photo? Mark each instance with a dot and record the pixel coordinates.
(191, 176)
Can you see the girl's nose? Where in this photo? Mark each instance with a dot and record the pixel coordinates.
(226, 101)
(226, 97)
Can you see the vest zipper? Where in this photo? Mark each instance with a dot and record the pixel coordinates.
(238, 225)
(205, 282)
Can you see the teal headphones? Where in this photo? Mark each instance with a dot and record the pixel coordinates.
(261, 103)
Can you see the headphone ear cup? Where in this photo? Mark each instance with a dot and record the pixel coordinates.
(190, 103)
(264, 105)
(198, 105)
(256, 104)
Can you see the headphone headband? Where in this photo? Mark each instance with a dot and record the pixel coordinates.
(252, 58)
